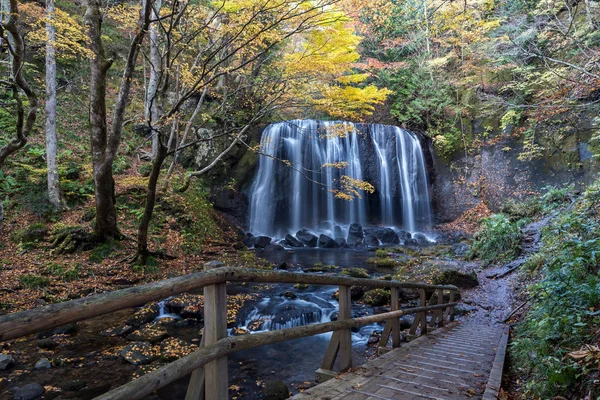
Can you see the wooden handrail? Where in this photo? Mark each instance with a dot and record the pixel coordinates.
(38, 319)
(152, 381)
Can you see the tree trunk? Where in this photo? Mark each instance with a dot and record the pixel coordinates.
(51, 140)
(105, 147)
(151, 108)
(143, 253)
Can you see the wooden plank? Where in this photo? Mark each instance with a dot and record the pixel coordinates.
(195, 389)
(345, 335)
(395, 305)
(385, 335)
(215, 328)
(332, 351)
(495, 381)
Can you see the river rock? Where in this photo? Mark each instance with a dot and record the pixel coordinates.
(357, 292)
(283, 266)
(256, 325)
(30, 391)
(47, 344)
(261, 242)
(341, 242)
(292, 241)
(422, 240)
(117, 331)
(249, 240)
(73, 386)
(275, 390)
(355, 234)
(146, 314)
(326, 242)
(273, 247)
(371, 241)
(172, 349)
(239, 331)
(187, 305)
(406, 321)
(403, 235)
(411, 242)
(338, 233)
(459, 249)
(384, 235)
(68, 329)
(150, 333)
(43, 364)
(307, 238)
(457, 278)
(138, 353)
(6, 360)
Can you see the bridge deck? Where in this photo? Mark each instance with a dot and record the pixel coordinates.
(453, 362)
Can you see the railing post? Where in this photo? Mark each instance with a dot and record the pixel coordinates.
(215, 328)
(395, 306)
(345, 335)
(449, 313)
(420, 318)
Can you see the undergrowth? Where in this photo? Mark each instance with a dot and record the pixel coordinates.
(499, 239)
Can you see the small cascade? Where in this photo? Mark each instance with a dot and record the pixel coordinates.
(162, 311)
(294, 185)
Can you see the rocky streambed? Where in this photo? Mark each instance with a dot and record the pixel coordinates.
(83, 360)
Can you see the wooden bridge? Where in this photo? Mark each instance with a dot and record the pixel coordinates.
(456, 361)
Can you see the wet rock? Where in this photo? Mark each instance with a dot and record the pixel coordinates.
(261, 242)
(307, 238)
(459, 249)
(187, 306)
(371, 241)
(403, 235)
(380, 310)
(117, 331)
(357, 292)
(292, 241)
(384, 235)
(341, 242)
(239, 331)
(47, 344)
(289, 294)
(6, 360)
(149, 333)
(283, 266)
(338, 233)
(457, 278)
(411, 242)
(422, 240)
(139, 353)
(377, 297)
(273, 247)
(275, 390)
(30, 391)
(256, 325)
(326, 242)
(406, 321)
(355, 234)
(73, 386)
(214, 264)
(146, 314)
(43, 364)
(173, 349)
(249, 240)
(374, 338)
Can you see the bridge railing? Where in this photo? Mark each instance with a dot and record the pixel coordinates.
(208, 365)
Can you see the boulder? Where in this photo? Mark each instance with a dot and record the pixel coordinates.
(355, 234)
(249, 240)
(138, 353)
(43, 364)
(384, 235)
(68, 329)
(149, 333)
(6, 360)
(338, 233)
(292, 241)
(172, 349)
(403, 235)
(283, 266)
(117, 331)
(186, 305)
(307, 238)
(457, 278)
(47, 344)
(422, 240)
(411, 242)
(371, 241)
(326, 242)
(146, 314)
(273, 247)
(73, 386)
(341, 242)
(30, 391)
(275, 390)
(256, 325)
(239, 331)
(459, 249)
(261, 242)
(357, 292)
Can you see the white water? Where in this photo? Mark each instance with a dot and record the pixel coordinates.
(286, 198)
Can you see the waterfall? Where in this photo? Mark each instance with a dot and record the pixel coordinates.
(292, 190)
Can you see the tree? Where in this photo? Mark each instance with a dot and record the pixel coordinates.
(51, 140)
(26, 114)
(104, 141)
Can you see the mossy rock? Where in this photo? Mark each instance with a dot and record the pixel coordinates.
(457, 278)
(356, 273)
(34, 233)
(377, 297)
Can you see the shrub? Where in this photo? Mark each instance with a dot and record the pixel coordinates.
(527, 208)
(498, 240)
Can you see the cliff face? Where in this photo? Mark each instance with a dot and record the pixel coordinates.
(493, 173)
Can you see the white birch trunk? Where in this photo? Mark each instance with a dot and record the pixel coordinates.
(51, 139)
(151, 109)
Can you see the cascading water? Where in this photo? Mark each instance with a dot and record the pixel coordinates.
(293, 188)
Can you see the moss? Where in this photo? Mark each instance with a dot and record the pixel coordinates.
(383, 262)
(33, 281)
(356, 272)
(377, 297)
(104, 251)
(33, 233)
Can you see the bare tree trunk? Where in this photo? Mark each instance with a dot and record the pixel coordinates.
(105, 147)
(151, 108)
(51, 139)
